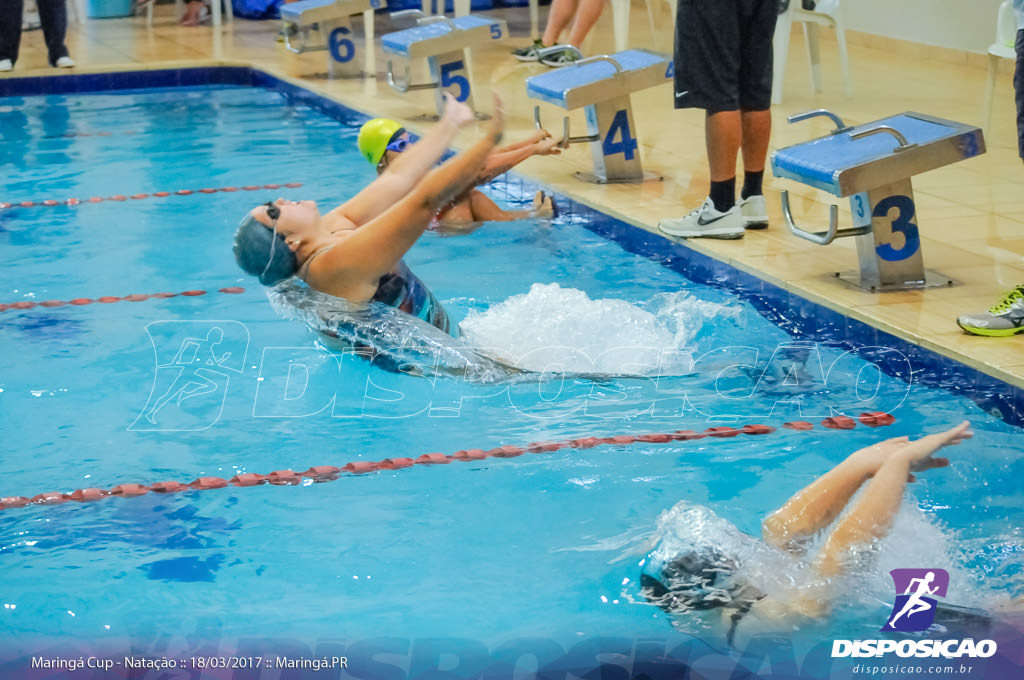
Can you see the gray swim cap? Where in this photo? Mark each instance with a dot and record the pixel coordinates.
(693, 580)
(263, 253)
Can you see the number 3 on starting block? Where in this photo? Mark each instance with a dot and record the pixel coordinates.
(903, 224)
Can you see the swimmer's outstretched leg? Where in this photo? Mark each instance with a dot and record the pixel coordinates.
(817, 505)
(871, 516)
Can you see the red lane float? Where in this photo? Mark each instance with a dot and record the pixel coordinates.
(326, 473)
(139, 196)
(107, 299)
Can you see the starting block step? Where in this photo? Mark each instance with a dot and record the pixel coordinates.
(873, 164)
(332, 20)
(846, 162)
(602, 85)
(445, 44)
(589, 82)
(438, 37)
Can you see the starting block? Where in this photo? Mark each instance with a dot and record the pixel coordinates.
(332, 20)
(441, 41)
(602, 86)
(873, 164)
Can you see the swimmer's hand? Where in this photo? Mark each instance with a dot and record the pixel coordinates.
(455, 112)
(497, 126)
(546, 147)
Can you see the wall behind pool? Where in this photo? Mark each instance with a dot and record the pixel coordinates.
(801, 318)
(958, 24)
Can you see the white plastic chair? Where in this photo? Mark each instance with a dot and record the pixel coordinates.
(179, 9)
(826, 13)
(1002, 48)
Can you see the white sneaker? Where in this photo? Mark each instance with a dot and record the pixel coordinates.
(6, 65)
(705, 221)
(755, 212)
(65, 62)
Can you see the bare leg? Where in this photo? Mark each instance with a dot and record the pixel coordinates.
(722, 135)
(561, 13)
(871, 516)
(192, 10)
(586, 16)
(757, 130)
(815, 507)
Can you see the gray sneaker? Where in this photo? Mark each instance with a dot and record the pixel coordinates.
(564, 57)
(1006, 318)
(530, 52)
(755, 212)
(706, 222)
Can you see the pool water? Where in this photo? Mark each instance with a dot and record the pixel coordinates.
(540, 546)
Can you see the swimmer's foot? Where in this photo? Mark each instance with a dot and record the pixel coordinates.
(544, 205)
(918, 454)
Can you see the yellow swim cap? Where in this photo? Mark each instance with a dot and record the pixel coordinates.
(374, 137)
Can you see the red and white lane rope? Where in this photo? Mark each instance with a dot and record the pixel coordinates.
(50, 202)
(107, 299)
(326, 473)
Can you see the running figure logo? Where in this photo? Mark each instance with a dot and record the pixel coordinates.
(194, 363)
(914, 609)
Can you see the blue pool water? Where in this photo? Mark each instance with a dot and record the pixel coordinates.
(543, 547)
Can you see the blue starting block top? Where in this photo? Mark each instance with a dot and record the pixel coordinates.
(305, 12)
(843, 166)
(588, 82)
(471, 27)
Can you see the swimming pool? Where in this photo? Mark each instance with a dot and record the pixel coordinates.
(461, 567)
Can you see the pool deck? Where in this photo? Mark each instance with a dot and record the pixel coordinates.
(971, 214)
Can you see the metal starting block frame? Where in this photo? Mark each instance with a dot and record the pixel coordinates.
(873, 164)
(442, 42)
(332, 20)
(602, 86)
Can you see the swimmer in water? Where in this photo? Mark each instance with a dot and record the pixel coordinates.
(708, 577)
(355, 251)
(381, 141)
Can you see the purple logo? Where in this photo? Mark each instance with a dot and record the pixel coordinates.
(914, 609)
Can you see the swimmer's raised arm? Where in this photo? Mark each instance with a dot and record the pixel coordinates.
(507, 157)
(353, 270)
(409, 168)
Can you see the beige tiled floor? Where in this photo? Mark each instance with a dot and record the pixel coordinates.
(971, 214)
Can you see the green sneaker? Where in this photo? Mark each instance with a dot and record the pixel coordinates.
(530, 52)
(1006, 318)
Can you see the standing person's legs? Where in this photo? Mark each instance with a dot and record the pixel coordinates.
(757, 32)
(561, 13)
(587, 14)
(10, 29)
(53, 15)
(707, 76)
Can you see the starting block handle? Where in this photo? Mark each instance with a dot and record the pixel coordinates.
(437, 19)
(840, 125)
(886, 129)
(600, 57)
(822, 238)
(566, 140)
(407, 86)
(418, 13)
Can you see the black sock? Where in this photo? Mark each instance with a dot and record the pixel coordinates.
(723, 194)
(752, 184)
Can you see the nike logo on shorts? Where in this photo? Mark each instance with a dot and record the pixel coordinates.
(682, 94)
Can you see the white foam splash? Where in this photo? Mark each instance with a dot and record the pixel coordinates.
(557, 329)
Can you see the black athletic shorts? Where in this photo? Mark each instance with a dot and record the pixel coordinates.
(723, 54)
(1018, 86)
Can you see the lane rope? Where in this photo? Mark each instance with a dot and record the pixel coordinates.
(49, 203)
(107, 299)
(328, 473)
